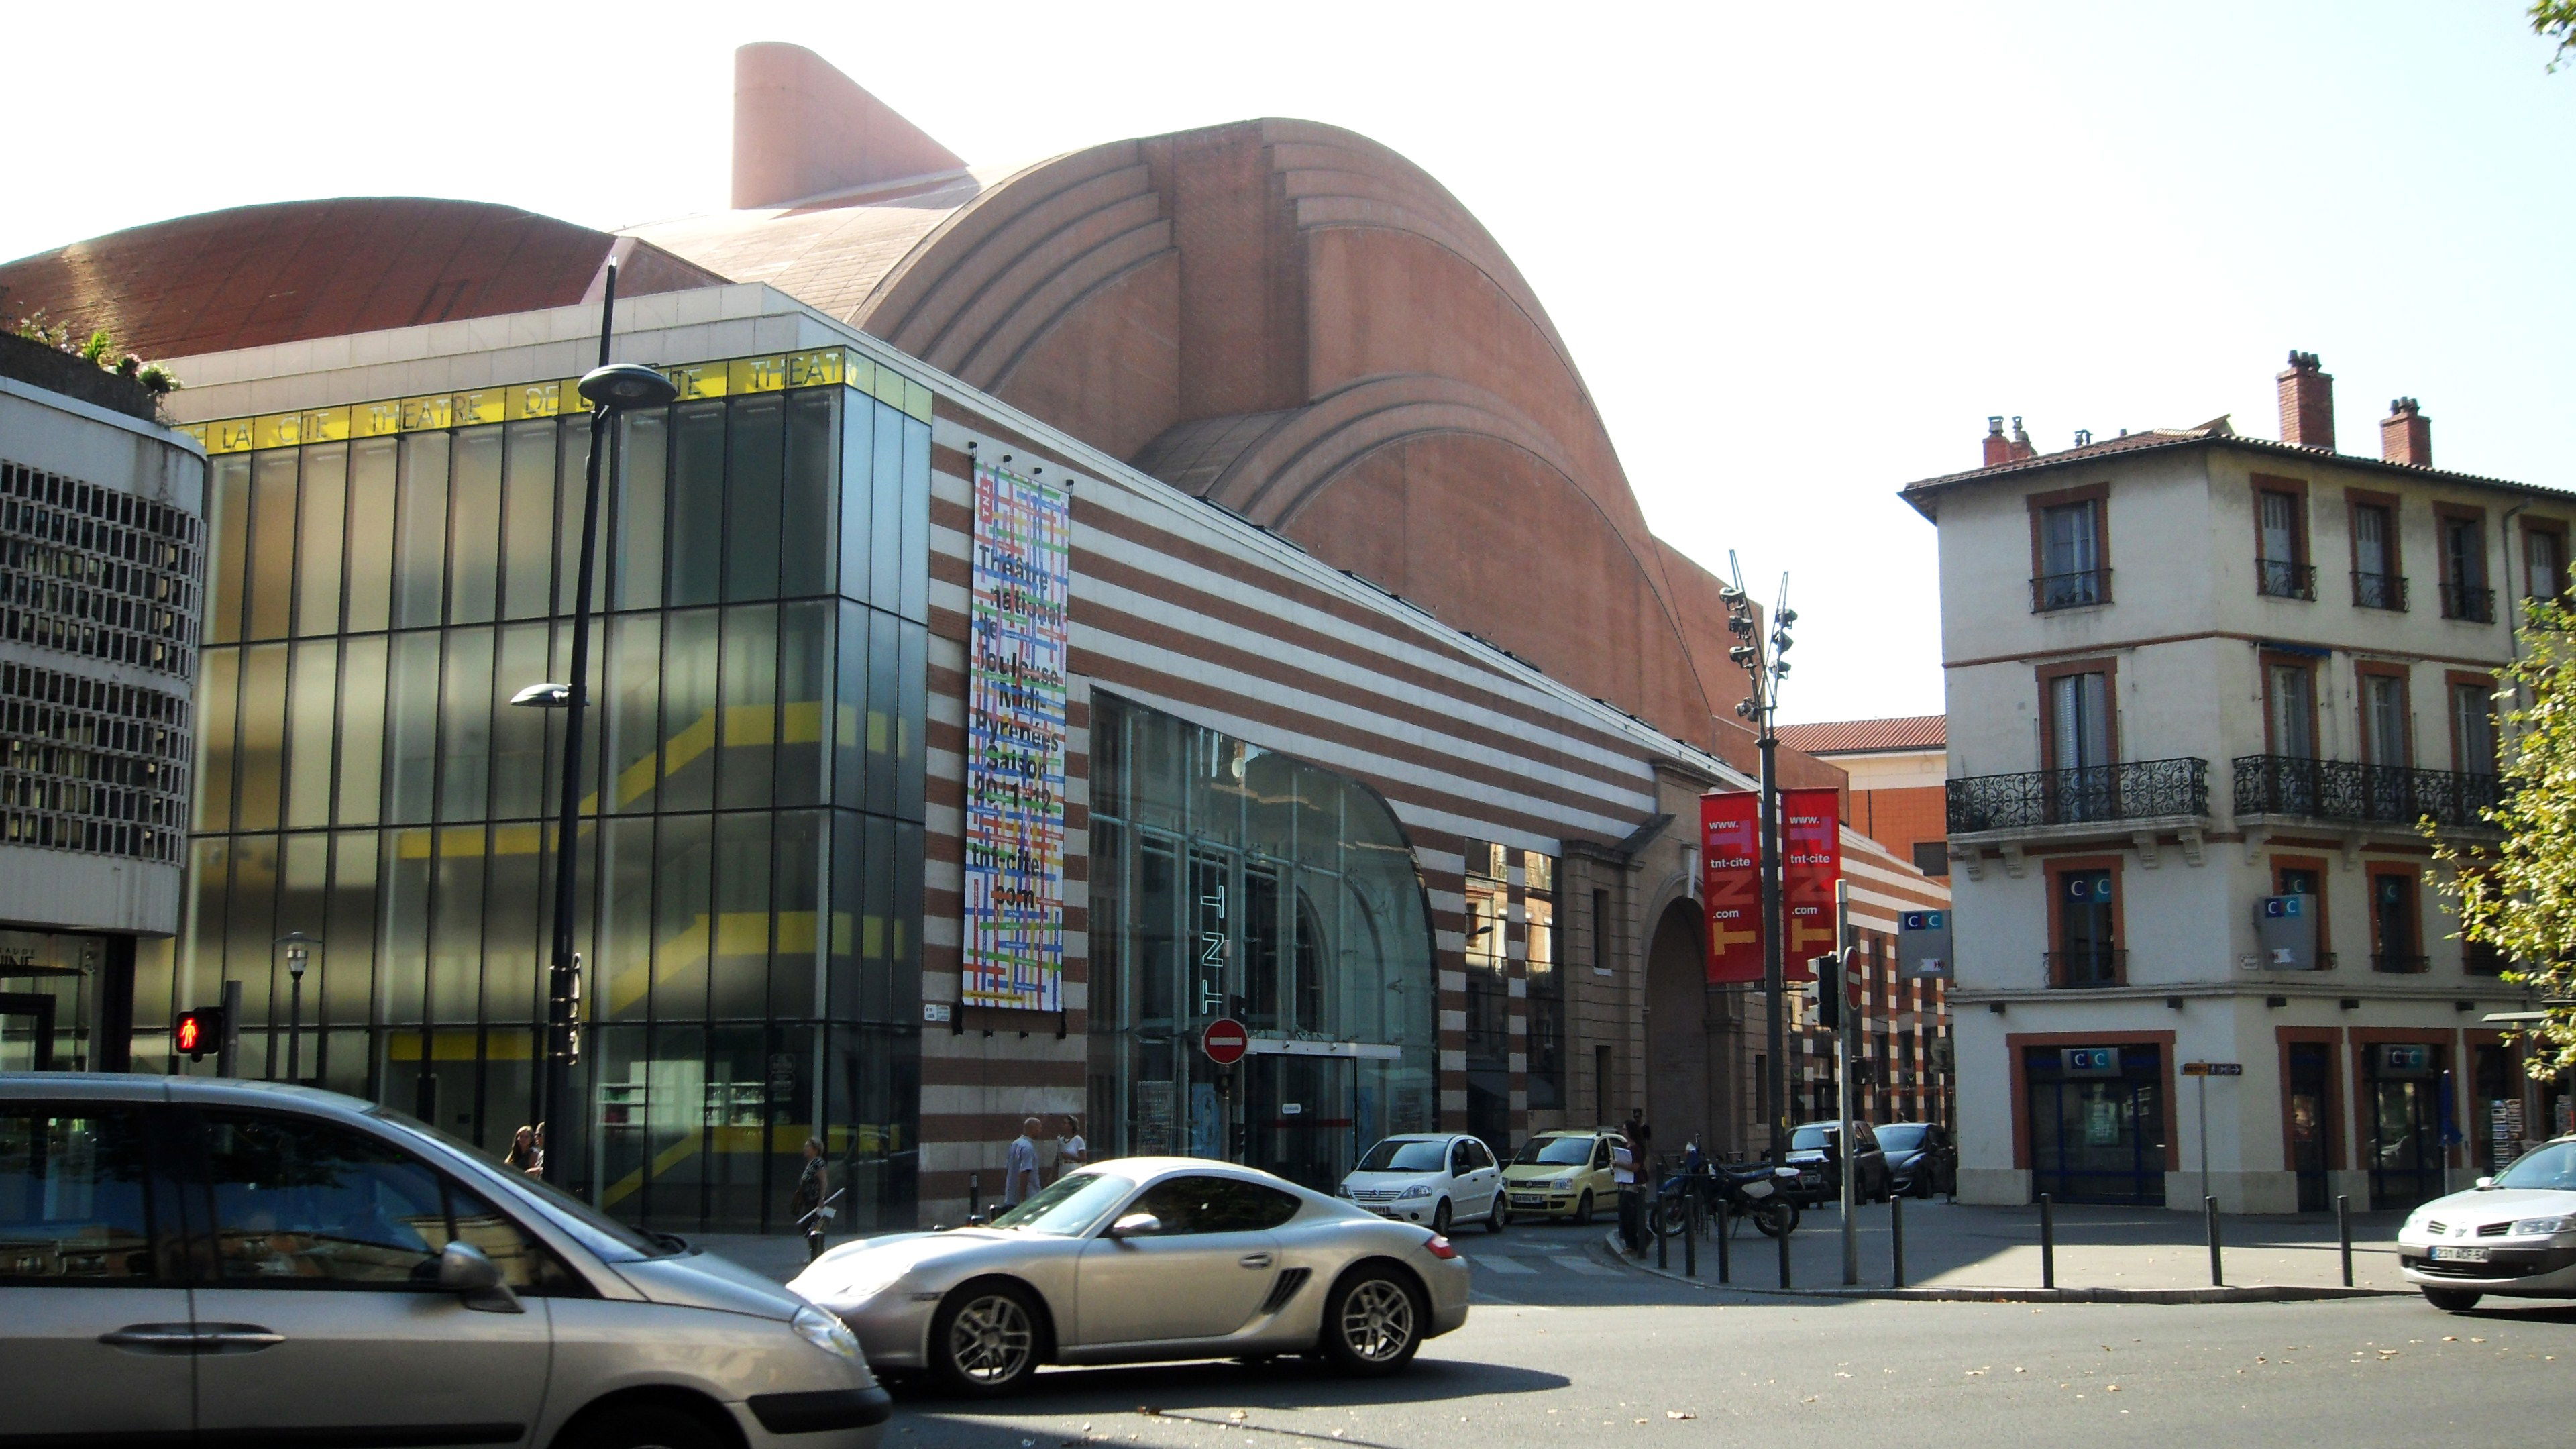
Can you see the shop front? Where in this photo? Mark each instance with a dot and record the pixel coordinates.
(1229, 881)
(2405, 1091)
(2096, 1118)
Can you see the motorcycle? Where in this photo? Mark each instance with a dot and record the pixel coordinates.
(1758, 1191)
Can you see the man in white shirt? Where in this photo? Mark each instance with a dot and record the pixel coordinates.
(1632, 1214)
(1020, 1166)
(1070, 1150)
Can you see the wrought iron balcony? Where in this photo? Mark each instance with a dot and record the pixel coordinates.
(2399, 965)
(2460, 601)
(2137, 790)
(2070, 591)
(2282, 579)
(2370, 794)
(2088, 966)
(2379, 591)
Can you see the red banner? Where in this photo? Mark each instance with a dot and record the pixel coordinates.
(1730, 847)
(1811, 861)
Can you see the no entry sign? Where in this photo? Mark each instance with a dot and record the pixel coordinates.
(1225, 1041)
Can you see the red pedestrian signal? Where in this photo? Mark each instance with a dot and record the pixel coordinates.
(198, 1031)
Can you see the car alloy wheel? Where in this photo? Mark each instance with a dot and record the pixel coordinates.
(987, 1341)
(1440, 1218)
(1373, 1326)
(1583, 1209)
(2452, 1300)
(1499, 1216)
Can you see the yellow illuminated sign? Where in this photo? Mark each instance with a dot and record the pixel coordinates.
(514, 402)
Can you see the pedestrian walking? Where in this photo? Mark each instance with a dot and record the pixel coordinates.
(1020, 1165)
(1070, 1150)
(811, 1202)
(1632, 1207)
(537, 1143)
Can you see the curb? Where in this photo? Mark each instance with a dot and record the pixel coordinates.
(1609, 1250)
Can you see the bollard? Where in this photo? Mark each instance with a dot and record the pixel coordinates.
(1690, 1234)
(1896, 1239)
(1725, 1231)
(1783, 1241)
(2343, 1234)
(2047, 1243)
(2217, 1274)
(1663, 1240)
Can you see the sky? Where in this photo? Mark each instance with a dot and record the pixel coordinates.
(1799, 252)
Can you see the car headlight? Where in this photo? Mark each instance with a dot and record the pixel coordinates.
(826, 1332)
(2542, 1227)
(1419, 1189)
(1562, 1184)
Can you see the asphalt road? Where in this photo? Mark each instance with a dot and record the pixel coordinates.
(1567, 1350)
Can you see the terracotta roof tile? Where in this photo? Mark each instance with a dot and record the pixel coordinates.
(1843, 737)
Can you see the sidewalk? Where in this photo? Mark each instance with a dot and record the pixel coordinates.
(1956, 1250)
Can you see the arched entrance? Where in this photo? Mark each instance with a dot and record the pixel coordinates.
(1680, 1087)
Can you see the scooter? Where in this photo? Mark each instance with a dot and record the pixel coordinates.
(1758, 1191)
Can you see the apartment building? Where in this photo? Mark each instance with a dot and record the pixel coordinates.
(2203, 691)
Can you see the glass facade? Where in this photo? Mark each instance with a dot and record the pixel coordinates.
(751, 854)
(1230, 881)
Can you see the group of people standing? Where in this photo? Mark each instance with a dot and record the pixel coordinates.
(1033, 1161)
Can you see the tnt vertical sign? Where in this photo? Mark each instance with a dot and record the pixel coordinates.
(1730, 851)
(1811, 861)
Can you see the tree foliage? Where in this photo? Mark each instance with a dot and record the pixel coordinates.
(2555, 20)
(2520, 896)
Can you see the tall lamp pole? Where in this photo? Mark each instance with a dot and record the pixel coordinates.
(610, 389)
(298, 946)
(1766, 668)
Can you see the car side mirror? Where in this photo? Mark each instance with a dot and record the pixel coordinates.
(465, 1271)
(1136, 1225)
(2485, 1183)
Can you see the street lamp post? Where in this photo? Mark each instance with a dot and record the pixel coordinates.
(610, 389)
(1765, 669)
(298, 946)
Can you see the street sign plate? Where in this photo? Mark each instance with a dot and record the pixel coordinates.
(2213, 1069)
(1225, 1041)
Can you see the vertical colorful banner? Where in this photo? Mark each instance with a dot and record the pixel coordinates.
(1015, 729)
(1730, 852)
(1811, 861)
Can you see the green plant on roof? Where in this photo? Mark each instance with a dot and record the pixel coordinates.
(99, 350)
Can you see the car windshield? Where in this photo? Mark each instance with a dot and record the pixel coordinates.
(1901, 1136)
(1070, 1205)
(613, 1241)
(1811, 1137)
(2552, 1169)
(1397, 1154)
(1556, 1151)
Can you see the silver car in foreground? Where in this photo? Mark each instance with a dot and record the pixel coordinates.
(1143, 1259)
(215, 1262)
(2513, 1236)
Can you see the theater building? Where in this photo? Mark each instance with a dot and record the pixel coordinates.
(1065, 605)
(102, 558)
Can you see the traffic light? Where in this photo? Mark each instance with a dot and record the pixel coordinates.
(1825, 993)
(199, 1031)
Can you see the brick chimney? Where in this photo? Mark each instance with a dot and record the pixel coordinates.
(2021, 447)
(2406, 435)
(1998, 447)
(2307, 403)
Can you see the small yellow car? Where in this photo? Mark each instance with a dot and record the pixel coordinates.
(1561, 1175)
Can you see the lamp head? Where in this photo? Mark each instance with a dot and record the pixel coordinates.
(626, 385)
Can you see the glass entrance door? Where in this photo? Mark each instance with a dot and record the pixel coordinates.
(26, 1032)
(2406, 1124)
(2309, 1123)
(1300, 1117)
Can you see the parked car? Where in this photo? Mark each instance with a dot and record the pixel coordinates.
(1815, 1149)
(264, 1264)
(1432, 1178)
(1921, 1161)
(1144, 1259)
(1561, 1175)
(2512, 1236)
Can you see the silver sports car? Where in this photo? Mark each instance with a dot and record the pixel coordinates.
(1146, 1258)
